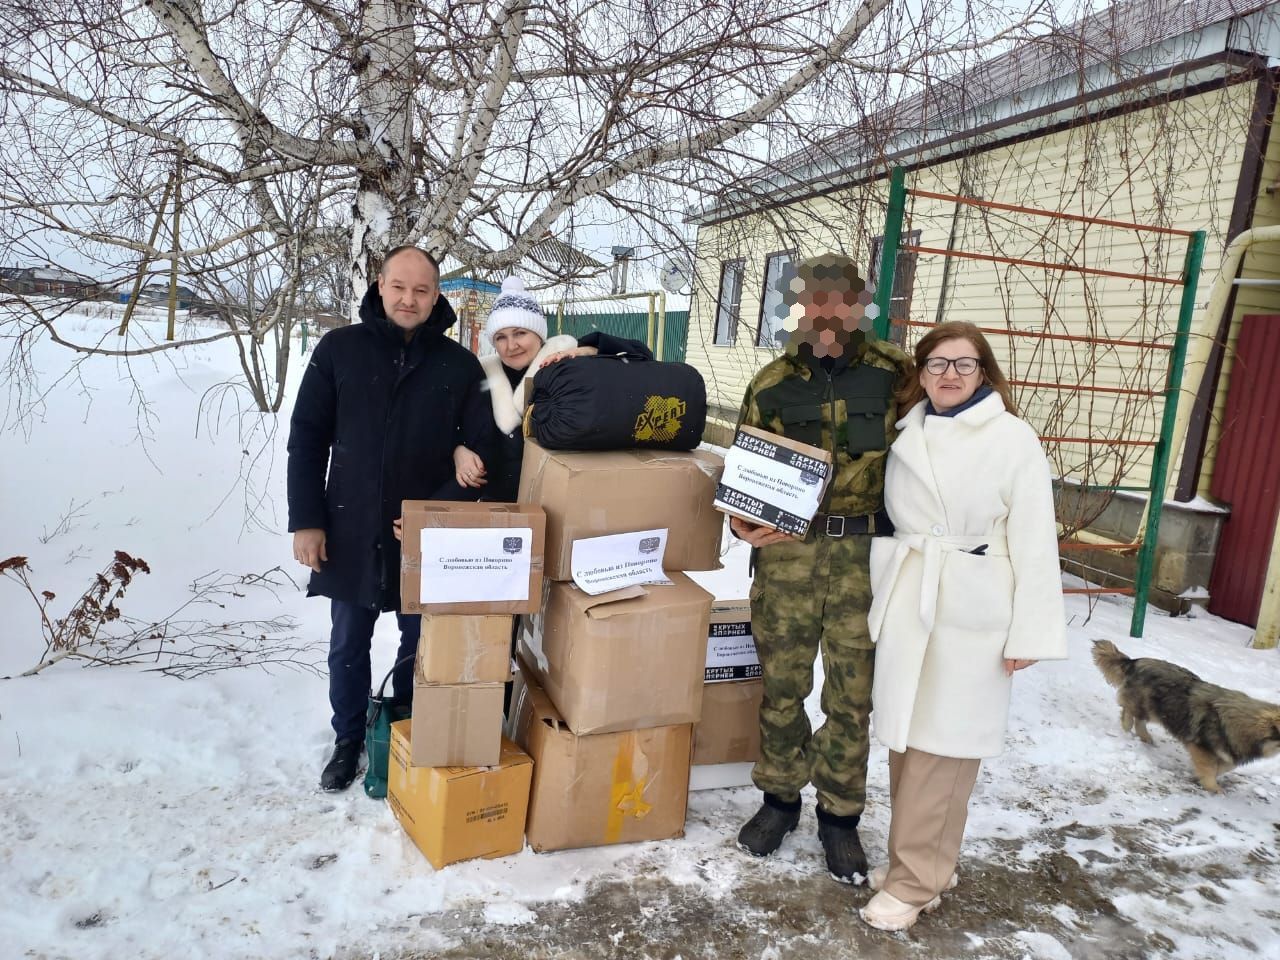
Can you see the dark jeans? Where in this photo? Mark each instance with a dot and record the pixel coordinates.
(349, 668)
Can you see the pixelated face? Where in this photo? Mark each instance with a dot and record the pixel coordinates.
(827, 308)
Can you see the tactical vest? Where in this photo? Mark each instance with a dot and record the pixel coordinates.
(855, 403)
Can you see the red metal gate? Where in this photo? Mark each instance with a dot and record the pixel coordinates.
(1246, 472)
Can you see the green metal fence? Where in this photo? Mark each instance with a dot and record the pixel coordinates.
(630, 324)
(1176, 351)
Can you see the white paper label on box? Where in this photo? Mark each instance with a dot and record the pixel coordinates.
(601, 564)
(796, 491)
(731, 653)
(471, 565)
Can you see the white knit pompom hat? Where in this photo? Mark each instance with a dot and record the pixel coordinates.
(515, 308)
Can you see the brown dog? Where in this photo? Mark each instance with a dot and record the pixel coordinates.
(1220, 728)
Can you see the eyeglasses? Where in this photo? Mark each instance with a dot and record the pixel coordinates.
(964, 365)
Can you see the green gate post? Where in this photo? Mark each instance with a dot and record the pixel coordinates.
(1164, 453)
(889, 248)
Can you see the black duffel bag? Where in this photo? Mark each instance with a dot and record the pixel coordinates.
(617, 402)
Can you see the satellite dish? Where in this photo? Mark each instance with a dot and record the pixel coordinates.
(675, 276)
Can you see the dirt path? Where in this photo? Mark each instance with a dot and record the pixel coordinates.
(1006, 906)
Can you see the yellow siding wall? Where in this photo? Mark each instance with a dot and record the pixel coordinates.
(1174, 165)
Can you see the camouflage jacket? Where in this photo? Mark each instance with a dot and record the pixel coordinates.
(849, 413)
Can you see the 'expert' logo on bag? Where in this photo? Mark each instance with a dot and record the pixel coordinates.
(659, 421)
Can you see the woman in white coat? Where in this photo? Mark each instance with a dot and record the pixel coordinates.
(965, 593)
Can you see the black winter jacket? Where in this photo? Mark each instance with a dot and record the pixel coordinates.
(383, 415)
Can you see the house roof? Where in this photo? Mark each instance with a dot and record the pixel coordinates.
(1123, 42)
(59, 275)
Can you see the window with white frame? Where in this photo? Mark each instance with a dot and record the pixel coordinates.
(729, 302)
(772, 309)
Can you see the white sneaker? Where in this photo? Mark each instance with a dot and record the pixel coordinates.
(876, 880)
(884, 911)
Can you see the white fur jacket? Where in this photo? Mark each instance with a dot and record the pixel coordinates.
(944, 617)
(508, 404)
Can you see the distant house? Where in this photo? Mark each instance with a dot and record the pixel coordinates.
(157, 295)
(48, 281)
(1156, 112)
(16, 280)
(471, 291)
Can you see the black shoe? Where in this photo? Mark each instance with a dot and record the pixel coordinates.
(763, 833)
(341, 768)
(845, 860)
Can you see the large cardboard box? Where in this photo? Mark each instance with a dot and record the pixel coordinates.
(620, 491)
(729, 731)
(454, 649)
(457, 813)
(771, 480)
(731, 646)
(479, 558)
(621, 660)
(456, 724)
(606, 788)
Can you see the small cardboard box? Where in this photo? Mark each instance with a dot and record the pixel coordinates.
(455, 649)
(718, 776)
(456, 724)
(731, 647)
(480, 558)
(771, 480)
(621, 660)
(621, 491)
(457, 813)
(606, 788)
(729, 731)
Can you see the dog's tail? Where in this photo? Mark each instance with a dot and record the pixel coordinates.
(1110, 661)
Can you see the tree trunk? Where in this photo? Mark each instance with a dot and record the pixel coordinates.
(384, 68)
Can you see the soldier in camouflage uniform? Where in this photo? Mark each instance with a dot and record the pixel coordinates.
(833, 388)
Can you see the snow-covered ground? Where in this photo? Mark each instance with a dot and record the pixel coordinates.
(146, 816)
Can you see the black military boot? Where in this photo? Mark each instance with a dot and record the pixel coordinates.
(763, 833)
(845, 860)
(341, 768)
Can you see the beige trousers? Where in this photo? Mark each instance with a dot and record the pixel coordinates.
(929, 801)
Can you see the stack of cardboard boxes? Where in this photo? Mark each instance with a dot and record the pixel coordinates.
(456, 785)
(610, 683)
(726, 741)
(779, 483)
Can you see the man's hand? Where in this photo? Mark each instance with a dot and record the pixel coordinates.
(468, 468)
(1011, 665)
(308, 548)
(756, 534)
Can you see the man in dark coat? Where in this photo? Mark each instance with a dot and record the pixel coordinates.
(382, 406)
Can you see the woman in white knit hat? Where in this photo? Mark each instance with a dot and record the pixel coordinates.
(517, 328)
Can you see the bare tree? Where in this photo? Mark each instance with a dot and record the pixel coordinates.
(470, 127)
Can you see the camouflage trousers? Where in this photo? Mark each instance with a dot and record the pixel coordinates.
(808, 597)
